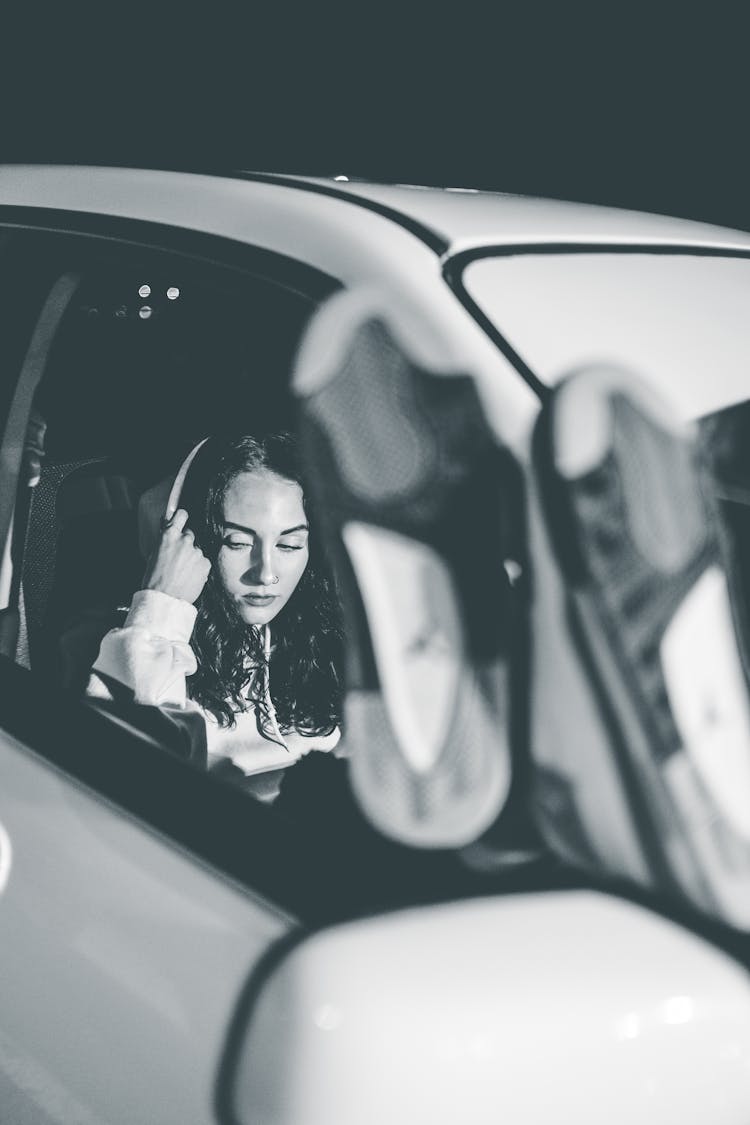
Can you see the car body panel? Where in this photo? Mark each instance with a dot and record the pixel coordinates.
(122, 956)
(340, 237)
(467, 219)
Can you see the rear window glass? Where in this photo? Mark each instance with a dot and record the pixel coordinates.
(680, 321)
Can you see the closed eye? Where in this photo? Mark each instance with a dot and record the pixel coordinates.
(290, 546)
(236, 544)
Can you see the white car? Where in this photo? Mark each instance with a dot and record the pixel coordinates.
(173, 951)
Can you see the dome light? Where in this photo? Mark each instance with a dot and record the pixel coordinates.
(145, 311)
(144, 291)
(173, 293)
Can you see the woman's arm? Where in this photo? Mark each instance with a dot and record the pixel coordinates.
(151, 653)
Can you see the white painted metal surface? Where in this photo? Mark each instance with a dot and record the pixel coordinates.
(557, 1007)
(342, 238)
(468, 219)
(121, 958)
(465, 219)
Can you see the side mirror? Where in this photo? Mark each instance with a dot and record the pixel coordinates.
(563, 1006)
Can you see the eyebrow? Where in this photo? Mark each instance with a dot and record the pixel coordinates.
(252, 531)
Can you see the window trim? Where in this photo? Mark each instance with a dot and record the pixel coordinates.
(226, 254)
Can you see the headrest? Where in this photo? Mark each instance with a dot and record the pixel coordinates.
(162, 499)
(91, 492)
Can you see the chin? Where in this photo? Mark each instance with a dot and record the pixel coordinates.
(258, 614)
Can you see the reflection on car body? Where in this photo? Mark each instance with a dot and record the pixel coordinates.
(176, 951)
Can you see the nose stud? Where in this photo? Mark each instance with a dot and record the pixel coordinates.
(274, 580)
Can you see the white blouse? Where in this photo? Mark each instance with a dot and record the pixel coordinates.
(151, 654)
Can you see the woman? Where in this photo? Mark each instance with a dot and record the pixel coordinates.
(198, 634)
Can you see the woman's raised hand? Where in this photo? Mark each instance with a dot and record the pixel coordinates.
(177, 567)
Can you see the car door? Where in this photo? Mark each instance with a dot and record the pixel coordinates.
(123, 954)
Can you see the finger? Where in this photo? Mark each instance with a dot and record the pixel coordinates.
(178, 520)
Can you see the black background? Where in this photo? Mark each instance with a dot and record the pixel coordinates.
(638, 106)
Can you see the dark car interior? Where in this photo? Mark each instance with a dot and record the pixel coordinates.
(132, 381)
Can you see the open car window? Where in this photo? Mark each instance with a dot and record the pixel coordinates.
(151, 356)
(135, 355)
(147, 352)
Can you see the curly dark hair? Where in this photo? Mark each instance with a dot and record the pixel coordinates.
(307, 634)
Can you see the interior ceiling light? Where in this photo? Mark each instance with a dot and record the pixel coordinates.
(173, 293)
(144, 291)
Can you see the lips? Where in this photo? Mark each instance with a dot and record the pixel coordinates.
(259, 599)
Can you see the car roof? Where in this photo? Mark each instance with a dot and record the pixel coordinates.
(449, 220)
(464, 218)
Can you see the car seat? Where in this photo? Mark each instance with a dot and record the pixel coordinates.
(81, 561)
(724, 437)
(640, 723)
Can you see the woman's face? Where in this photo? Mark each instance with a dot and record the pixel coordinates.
(264, 548)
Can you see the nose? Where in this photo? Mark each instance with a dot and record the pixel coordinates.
(261, 571)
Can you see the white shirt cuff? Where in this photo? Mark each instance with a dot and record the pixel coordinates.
(162, 615)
